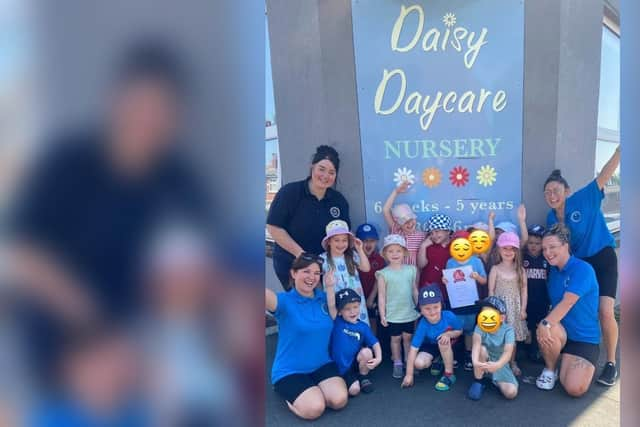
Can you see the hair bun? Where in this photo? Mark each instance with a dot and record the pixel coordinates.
(556, 172)
(326, 152)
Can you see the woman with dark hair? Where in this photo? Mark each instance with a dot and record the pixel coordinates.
(592, 242)
(301, 210)
(303, 372)
(570, 333)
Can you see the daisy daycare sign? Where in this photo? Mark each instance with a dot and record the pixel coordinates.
(439, 86)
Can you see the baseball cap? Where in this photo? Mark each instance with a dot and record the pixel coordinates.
(536, 230)
(493, 302)
(508, 239)
(429, 294)
(367, 231)
(346, 296)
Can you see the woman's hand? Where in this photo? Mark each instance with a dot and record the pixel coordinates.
(544, 336)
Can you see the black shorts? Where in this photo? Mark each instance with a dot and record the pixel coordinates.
(396, 329)
(535, 313)
(605, 264)
(292, 386)
(588, 351)
(352, 375)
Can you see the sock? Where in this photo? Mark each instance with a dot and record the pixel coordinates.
(398, 362)
(448, 374)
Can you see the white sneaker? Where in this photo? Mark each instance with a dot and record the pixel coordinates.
(546, 380)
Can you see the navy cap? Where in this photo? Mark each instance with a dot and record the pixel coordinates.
(429, 295)
(494, 302)
(346, 296)
(367, 231)
(536, 230)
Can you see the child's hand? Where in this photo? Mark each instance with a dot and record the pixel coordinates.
(492, 215)
(403, 187)
(523, 314)
(522, 213)
(444, 339)
(358, 244)
(373, 363)
(371, 303)
(407, 381)
(329, 279)
(426, 242)
(444, 280)
(474, 275)
(490, 367)
(383, 321)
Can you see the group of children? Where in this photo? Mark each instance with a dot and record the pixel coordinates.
(403, 288)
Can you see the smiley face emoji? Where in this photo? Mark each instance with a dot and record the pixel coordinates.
(480, 241)
(489, 320)
(460, 249)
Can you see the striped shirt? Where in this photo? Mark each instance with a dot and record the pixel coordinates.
(414, 240)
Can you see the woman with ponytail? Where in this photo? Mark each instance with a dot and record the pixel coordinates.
(301, 210)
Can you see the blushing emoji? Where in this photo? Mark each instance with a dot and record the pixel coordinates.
(489, 319)
(460, 249)
(480, 241)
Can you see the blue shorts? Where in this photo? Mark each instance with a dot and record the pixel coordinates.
(468, 323)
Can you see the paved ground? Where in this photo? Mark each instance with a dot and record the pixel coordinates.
(422, 405)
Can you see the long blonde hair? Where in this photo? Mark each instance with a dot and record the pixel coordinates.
(517, 260)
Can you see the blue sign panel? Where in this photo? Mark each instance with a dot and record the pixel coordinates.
(440, 103)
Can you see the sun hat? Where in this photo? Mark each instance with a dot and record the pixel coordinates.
(367, 231)
(507, 226)
(402, 213)
(508, 239)
(334, 228)
(394, 239)
(439, 221)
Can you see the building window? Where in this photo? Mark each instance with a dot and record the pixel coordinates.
(609, 122)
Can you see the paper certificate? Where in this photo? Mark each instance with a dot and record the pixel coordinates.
(461, 287)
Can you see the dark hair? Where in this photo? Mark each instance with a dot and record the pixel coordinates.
(326, 152)
(559, 230)
(556, 176)
(152, 59)
(303, 261)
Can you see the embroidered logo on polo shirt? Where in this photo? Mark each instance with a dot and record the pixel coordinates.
(576, 216)
(566, 282)
(525, 263)
(334, 211)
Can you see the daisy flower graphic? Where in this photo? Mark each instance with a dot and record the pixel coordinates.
(459, 176)
(431, 177)
(486, 175)
(403, 174)
(449, 19)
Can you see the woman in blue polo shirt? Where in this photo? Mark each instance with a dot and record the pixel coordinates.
(303, 372)
(592, 242)
(301, 210)
(571, 328)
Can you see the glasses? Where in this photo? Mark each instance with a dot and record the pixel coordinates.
(555, 192)
(311, 257)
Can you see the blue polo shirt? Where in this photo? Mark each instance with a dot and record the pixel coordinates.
(428, 333)
(583, 216)
(346, 341)
(577, 277)
(304, 331)
(305, 217)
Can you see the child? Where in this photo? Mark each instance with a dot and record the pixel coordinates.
(351, 339)
(493, 346)
(340, 256)
(537, 295)
(467, 314)
(369, 236)
(397, 298)
(402, 220)
(504, 226)
(434, 250)
(437, 332)
(508, 281)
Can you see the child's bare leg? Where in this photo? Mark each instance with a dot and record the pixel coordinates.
(423, 360)
(363, 357)
(447, 357)
(508, 390)
(406, 344)
(483, 357)
(395, 348)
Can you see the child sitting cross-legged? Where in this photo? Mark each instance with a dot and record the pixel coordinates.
(437, 332)
(352, 340)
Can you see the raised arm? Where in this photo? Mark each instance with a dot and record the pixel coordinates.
(284, 240)
(271, 300)
(364, 264)
(388, 204)
(329, 280)
(522, 223)
(492, 228)
(608, 169)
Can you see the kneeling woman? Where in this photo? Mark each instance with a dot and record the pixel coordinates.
(303, 372)
(570, 333)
